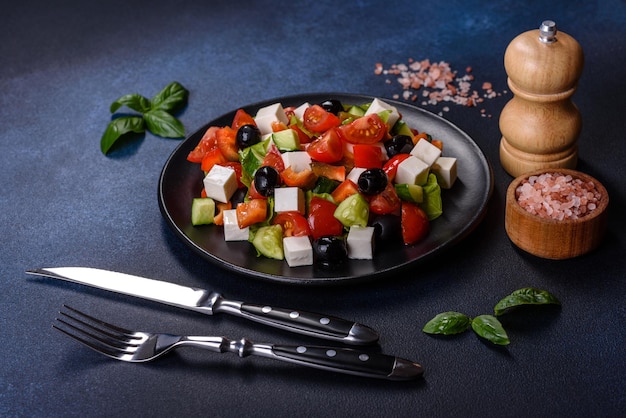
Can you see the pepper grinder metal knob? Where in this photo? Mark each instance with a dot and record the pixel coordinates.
(540, 125)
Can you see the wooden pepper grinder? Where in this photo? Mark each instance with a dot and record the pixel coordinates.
(540, 125)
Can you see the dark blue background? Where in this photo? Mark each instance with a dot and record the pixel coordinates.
(62, 63)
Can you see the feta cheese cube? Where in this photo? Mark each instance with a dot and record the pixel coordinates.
(297, 160)
(445, 170)
(299, 111)
(378, 106)
(412, 171)
(426, 152)
(289, 199)
(266, 115)
(354, 174)
(298, 251)
(361, 242)
(220, 183)
(232, 232)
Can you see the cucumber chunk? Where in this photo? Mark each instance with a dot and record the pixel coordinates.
(410, 192)
(268, 241)
(354, 210)
(202, 211)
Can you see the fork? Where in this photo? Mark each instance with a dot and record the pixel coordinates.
(139, 346)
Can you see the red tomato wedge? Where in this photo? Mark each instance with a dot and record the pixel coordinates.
(391, 166)
(328, 148)
(368, 156)
(208, 141)
(386, 201)
(227, 143)
(242, 118)
(415, 225)
(317, 119)
(345, 189)
(294, 224)
(304, 179)
(212, 157)
(274, 159)
(251, 212)
(321, 218)
(364, 130)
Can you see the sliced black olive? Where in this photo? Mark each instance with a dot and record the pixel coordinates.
(399, 144)
(333, 106)
(387, 228)
(248, 135)
(372, 181)
(330, 251)
(265, 180)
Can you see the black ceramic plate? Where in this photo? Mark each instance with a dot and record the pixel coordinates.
(464, 205)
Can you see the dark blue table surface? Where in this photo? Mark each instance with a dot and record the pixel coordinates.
(64, 203)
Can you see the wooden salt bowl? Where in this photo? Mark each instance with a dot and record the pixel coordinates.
(551, 238)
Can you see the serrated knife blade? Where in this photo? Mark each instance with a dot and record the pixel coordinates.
(209, 302)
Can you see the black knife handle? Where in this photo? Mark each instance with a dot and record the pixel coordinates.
(310, 323)
(350, 361)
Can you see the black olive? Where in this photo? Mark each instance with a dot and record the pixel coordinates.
(387, 228)
(399, 144)
(248, 135)
(332, 105)
(266, 179)
(239, 196)
(330, 251)
(372, 181)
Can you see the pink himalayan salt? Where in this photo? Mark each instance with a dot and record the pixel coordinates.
(557, 196)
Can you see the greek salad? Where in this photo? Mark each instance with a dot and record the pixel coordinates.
(321, 183)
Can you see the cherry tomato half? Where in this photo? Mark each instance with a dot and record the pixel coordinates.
(294, 224)
(318, 120)
(364, 130)
(328, 148)
(415, 225)
(321, 218)
(386, 201)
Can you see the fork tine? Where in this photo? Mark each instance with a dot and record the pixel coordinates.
(99, 321)
(98, 335)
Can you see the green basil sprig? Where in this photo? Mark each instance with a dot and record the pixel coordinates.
(155, 115)
(488, 326)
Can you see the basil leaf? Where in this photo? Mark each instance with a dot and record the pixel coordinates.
(118, 127)
(161, 123)
(488, 327)
(133, 101)
(172, 97)
(447, 323)
(524, 296)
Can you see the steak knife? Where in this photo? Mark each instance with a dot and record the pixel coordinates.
(208, 302)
